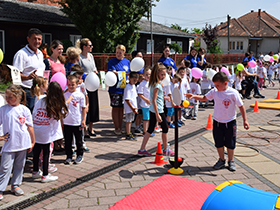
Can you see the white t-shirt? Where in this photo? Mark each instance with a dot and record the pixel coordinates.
(185, 86)
(38, 98)
(237, 84)
(171, 87)
(260, 71)
(27, 61)
(195, 90)
(15, 120)
(130, 94)
(2, 103)
(225, 104)
(74, 116)
(46, 129)
(82, 88)
(205, 82)
(270, 70)
(143, 88)
(230, 80)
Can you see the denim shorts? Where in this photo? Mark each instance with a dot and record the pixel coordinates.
(146, 113)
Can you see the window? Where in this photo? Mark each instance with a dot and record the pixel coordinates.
(236, 45)
(74, 38)
(241, 45)
(180, 44)
(47, 38)
(2, 41)
(233, 45)
(149, 46)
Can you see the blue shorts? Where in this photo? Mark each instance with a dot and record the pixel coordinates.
(170, 111)
(145, 113)
(224, 134)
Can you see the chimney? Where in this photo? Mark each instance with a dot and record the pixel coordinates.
(252, 11)
(259, 13)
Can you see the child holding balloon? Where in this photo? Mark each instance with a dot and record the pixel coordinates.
(224, 118)
(156, 109)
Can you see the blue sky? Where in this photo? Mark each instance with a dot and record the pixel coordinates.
(195, 13)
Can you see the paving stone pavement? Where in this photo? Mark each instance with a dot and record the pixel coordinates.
(260, 171)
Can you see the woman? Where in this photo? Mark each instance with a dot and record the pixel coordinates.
(86, 61)
(166, 60)
(55, 62)
(192, 57)
(118, 64)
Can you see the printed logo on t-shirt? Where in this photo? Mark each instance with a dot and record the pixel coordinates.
(193, 90)
(41, 117)
(226, 102)
(171, 62)
(21, 119)
(125, 68)
(75, 102)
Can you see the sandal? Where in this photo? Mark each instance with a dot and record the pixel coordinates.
(91, 133)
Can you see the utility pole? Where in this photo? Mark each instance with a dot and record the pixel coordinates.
(228, 22)
(151, 27)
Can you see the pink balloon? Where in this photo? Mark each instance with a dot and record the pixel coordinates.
(223, 69)
(271, 59)
(60, 78)
(196, 73)
(252, 64)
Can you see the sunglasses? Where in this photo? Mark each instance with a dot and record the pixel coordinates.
(90, 45)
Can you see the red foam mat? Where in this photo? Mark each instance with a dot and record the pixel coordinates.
(167, 192)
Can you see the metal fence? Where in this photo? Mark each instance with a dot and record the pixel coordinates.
(101, 59)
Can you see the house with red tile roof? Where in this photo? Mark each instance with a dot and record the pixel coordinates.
(255, 31)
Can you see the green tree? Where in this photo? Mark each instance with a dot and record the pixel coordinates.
(107, 23)
(178, 27)
(175, 47)
(196, 31)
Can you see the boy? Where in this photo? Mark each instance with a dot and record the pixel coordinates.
(75, 120)
(224, 117)
(130, 103)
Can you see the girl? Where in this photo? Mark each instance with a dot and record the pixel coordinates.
(237, 82)
(195, 90)
(205, 83)
(156, 109)
(260, 72)
(39, 88)
(73, 55)
(270, 72)
(47, 114)
(18, 122)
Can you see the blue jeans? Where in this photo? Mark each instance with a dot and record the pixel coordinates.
(29, 99)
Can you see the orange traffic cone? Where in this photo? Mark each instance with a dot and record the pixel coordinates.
(159, 156)
(256, 108)
(209, 123)
(278, 95)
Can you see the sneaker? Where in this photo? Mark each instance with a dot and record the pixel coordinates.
(181, 122)
(144, 153)
(49, 178)
(170, 125)
(159, 128)
(1, 196)
(130, 137)
(51, 165)
(262, 96)
(86, 149)
(194, 118)
(179, 125)
(17, 190)
(170, 152)
(36, 175)
(182, 118)
(256, 96)
(79, 159)
(138, 130)
(231, 165)
(118, 133)
(152, 134)
(220, 164)
(68, 161)
(52, 169)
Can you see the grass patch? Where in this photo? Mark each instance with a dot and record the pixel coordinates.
(4, 86)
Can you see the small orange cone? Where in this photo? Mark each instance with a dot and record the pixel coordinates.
(159, 156)
(278, 95)
(256, 108)
(209, 123)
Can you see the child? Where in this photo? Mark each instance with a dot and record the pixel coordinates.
(73, 55)
(39, 87)
(156, 109)
(205, 83)
(144, 95)
(188, 70)
(184, 87)
(260, 72)
(170, 104)
(47, 128)
(224, 118)
(195, 90)
(130, 103)
(17, 122)
(238, 82)
(270, 72)
(75, 120)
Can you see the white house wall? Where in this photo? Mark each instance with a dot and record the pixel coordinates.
(269, 44)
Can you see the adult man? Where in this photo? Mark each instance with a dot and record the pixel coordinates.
(29, 61)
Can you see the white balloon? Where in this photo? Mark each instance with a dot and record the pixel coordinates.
(211, 73)
(137, 64)
(166, 80)
(266, 58)
(110, 79)
(92, 82)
